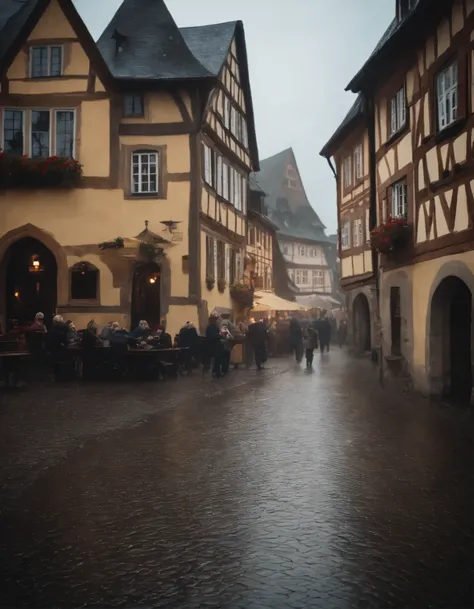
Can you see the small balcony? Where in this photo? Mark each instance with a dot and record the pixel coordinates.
(51, 172)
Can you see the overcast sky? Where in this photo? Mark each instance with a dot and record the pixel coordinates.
(302, 54)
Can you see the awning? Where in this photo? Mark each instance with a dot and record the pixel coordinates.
(318, 301)
(268, 301)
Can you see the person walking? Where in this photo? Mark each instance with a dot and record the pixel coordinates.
(213, 345)
(257, 337)
(296, 339)
(310, 343)
(324, 333)
(342, 333)
(226, 342)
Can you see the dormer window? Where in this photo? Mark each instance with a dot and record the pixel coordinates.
(133, 105)
(46, 61)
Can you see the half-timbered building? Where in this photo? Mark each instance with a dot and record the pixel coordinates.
(123, 177)
(417, 87)
(349, 147)
(301, 235)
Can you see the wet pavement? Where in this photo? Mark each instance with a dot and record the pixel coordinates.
(274, 490)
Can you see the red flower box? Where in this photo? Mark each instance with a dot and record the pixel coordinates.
(390, 235)
(51, 172)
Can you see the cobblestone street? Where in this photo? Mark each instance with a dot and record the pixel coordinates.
(280, 489)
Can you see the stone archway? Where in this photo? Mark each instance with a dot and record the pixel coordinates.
(33, 232)
(361, 324)
(450, 338)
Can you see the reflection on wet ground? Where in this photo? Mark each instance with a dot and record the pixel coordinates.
(284, 489)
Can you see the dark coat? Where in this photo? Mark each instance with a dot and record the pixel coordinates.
(188, 337)
(324, 330)
(213, 339)
(257, 333)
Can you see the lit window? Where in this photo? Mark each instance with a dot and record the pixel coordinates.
(144, 173)
(347, 171)
(46, 61)
(133, 105)
(345, 235)
(447, 95)
(400, 199)
(84, 281)
(398, 113)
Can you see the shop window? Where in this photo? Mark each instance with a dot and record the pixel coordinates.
(84, 279)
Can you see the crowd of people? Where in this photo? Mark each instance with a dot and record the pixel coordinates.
(223, 342)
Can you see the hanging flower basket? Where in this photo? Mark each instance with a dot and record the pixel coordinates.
(243, 294)
(51, 172)
(111, 245)
(221, 285)
(390, 235)
(210, 282)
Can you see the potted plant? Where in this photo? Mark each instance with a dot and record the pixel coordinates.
(243, 294)
(221, 285)
(116, 244)
(210, 282)
(390, 235)
(150, 251)
(52, 172)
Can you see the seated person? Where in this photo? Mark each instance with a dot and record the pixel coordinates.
(89, 336)
(121, 336)
(57, 338)
(161, 339)
(38, 324)
(142, 331)
(73, 337)
(107, 331)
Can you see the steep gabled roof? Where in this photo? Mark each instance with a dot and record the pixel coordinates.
(356, 112)
(297, 219)
(24, 15)
(210, 44)
(152, 47)
(399, 36)
(14, 15)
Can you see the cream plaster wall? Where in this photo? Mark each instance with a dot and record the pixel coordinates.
(48, 86)
(53, 24)
(405, 151)
(368, 261)
(358, 264)
(346, 267)
(94, 127)
(177, 149)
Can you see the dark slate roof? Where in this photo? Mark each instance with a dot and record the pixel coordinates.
(210, 43)
(300, 220)
(357, 110)
(13, 16)
(254, 185)
(152, 46)
(395, 36)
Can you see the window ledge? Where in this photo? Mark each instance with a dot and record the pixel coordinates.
(452, 130)
(145, 196)
(86, 303)
(397, 135)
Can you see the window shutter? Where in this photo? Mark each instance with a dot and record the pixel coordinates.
(367, 225)
(214, 256)
(227, 263)
(393, 115)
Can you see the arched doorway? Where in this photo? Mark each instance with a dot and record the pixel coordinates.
(146, 295)
(30, 281)
(361, 324)
(450, 339)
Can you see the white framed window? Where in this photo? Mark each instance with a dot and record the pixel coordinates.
(40, 133)
(302, 250)
(318, 278)
(46, 61)
(219, 174)
(65, 130)
(398, 111)
(357, 235)
(347, 169)
(207, 155)
(245, 134)
(227, 111)
(304, 277)
(133, 104)
(447, 95)
(225, 181)
(244, 195)
(400, 199)
(346, 235)
(285, 250)
(298, 279)
(358, 162)
(13, 131)
(144, 172)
